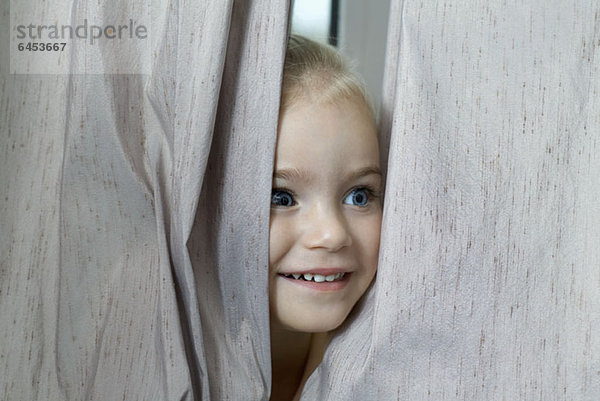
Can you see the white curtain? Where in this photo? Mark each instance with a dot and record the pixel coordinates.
(488, 285)
(134, 210)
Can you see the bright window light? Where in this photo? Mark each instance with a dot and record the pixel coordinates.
(311, 18)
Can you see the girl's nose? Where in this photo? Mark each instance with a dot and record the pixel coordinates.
(326, 227)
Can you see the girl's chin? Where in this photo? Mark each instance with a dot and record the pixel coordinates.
(312, 325)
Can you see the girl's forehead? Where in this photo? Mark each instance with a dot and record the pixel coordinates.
(314, 96)
(322, 121)
(326, 139)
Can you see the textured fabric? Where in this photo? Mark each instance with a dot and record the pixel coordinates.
(111, 286)
(488, 285)
(134, 212)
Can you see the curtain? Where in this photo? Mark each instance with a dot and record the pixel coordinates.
(135, 209)
(488, 285)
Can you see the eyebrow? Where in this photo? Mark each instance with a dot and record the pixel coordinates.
(298, 175)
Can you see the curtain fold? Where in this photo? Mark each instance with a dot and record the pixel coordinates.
(229, 240)
(106, 291)
(488, 283)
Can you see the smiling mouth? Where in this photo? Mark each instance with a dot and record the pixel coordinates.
(317, 278)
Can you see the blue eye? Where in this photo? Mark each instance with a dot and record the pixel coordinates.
(281, 198)
(358, 197)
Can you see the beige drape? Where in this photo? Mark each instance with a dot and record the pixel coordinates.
(488, 285)
(134, 212)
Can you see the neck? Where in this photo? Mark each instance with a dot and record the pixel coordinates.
(294, 356)
(289, 352)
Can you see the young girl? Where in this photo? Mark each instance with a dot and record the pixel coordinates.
(326, 210)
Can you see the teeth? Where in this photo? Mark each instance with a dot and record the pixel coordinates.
(319, 278)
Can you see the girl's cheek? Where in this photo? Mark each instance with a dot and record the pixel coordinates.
(368, 225)
(281, 234)
(371, 235)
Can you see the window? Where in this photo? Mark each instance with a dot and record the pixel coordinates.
(316, 19)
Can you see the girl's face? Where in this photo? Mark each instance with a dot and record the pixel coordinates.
(325, 214)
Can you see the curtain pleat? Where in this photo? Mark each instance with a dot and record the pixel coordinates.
(131, 267)
(230, 235)
(488, 285)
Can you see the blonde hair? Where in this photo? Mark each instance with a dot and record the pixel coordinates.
(320, 73)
